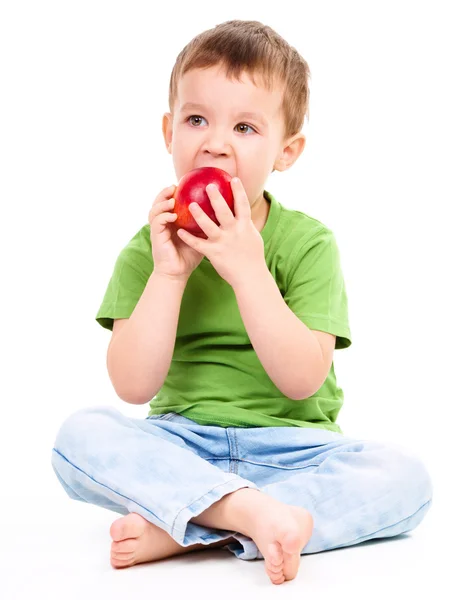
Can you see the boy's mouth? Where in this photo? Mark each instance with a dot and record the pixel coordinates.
(216, 167)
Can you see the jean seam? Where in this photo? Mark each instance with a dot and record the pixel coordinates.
(261, 464)
(107, 487)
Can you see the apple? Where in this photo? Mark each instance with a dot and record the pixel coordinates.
(192, 188)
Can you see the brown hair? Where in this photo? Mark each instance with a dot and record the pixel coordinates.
(250, 46)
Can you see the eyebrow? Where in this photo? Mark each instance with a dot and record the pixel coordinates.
(244, 115)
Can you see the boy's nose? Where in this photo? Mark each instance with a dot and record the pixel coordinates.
(217, 143)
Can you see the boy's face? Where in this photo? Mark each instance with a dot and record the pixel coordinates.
(216, 134)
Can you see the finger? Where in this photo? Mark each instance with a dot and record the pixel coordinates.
(162, 220)
(159, 223)
(161, 207)
(194, 242)
(220, 205)
(211, 229)
(164, 195)
(167, 217)
(242, 207)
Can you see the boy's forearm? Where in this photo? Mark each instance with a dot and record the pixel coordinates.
(285, 346)
(140, 355)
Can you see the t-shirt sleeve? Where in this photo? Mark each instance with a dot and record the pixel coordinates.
(316, 291)
(132, 270)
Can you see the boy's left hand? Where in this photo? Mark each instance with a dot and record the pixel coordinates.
(235, 248)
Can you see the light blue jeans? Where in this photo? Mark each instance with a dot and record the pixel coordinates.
(170, 469)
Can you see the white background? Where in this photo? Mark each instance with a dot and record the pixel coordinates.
(84, 86)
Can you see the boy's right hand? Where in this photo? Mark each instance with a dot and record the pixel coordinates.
(172, 256)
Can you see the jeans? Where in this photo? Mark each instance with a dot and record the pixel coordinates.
(169, 469)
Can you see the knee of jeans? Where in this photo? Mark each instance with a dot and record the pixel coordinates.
(412, 473)
(80, 424)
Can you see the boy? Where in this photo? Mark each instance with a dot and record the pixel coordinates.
(230, 339)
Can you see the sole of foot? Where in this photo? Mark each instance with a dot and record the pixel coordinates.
(281, 534)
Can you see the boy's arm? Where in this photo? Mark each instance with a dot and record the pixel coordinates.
(140, 355)
(288, 350)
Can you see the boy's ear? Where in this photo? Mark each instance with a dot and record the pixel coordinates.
(290, 153)
(167, 128)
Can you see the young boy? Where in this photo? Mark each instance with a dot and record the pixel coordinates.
(230, 338)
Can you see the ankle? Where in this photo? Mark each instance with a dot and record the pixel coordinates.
(232, 512)
(241, 508)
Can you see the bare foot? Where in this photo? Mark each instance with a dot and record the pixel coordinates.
(136, 540)
(280, 530)
(281, 540)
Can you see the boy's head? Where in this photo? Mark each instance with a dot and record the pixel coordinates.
(237, 67)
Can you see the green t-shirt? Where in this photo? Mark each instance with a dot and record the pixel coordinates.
(215, 376)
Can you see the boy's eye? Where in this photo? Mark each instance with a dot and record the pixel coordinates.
(245, 125)
(198, 117)
(194, 117)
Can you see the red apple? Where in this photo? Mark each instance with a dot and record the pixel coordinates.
(192, 188)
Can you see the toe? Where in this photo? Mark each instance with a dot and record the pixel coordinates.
(274, 563)
(122, 555)
(276, 579)
(291, 564)
(116, 529)
(130, 526)
(119, 563)
(275, 554)
(272, 569)
(128, 545)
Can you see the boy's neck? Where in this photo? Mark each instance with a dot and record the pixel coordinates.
(260, 213)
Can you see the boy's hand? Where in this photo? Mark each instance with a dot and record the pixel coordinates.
(235, 248)
(172, 257)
